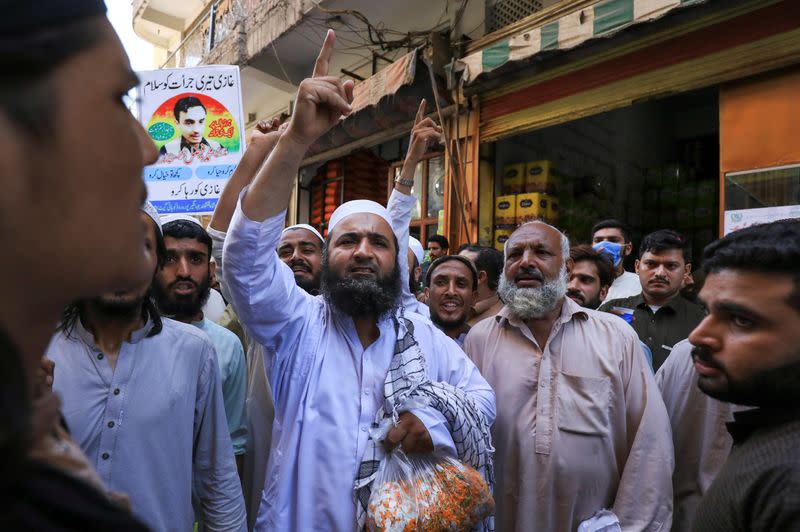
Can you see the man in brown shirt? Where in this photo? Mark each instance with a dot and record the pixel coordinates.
(489, 263)
(747, 352)
(580, 424)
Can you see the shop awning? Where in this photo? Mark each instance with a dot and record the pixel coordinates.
(381, 102)
(600, 19)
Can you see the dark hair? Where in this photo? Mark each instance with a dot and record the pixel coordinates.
(765, 248)
(487, 260)
(463, 260)
(71, 312)
(439, 239)
(187, 229)
(613, 224)
(605, 268)
(468, 247)
(663, 240)
(186, 103)
(27, 62)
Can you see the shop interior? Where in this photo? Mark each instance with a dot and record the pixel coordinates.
(653, 165)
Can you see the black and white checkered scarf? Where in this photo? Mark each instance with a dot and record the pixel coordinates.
(407, 382)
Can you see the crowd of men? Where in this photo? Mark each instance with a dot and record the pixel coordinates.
(593, 398)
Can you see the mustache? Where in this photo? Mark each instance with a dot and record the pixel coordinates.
(186, 280)
(300, 264)
(703, 354)
(529, 273)
(575, 294)
(362, 264)
(659, 280)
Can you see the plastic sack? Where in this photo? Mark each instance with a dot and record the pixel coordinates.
(427, 493)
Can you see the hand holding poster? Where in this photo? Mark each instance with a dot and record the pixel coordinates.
(194, 117)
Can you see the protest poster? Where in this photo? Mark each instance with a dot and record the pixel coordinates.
(194, 117)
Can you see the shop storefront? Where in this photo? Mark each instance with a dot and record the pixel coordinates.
(637, 110)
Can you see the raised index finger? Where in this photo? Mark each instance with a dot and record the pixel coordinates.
(420, 112)
(321, 65)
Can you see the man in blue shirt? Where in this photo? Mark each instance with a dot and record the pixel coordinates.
(182, 287)
(142, 397)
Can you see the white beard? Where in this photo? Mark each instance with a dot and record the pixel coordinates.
(531, 303)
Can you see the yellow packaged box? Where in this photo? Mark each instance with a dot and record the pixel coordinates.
(501, 234)
(505, 210)
(514, 178)
(539, 177)
(532, 206)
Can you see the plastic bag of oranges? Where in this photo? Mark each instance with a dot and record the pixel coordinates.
(427, 493)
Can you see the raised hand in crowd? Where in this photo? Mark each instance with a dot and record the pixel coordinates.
(262, 141)
(425, 133)
(321, 102)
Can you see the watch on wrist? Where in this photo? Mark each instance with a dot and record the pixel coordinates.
(405, 182)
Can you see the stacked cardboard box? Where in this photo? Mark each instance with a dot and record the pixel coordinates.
(528, 194)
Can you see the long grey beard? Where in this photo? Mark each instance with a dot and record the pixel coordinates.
(530, 303)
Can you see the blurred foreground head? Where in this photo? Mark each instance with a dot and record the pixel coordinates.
(747, 349)
(71, 159)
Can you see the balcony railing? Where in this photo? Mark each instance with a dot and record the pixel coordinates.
(216, 24)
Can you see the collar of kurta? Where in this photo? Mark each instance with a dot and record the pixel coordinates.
(84, 335)
(746, 422)
(569, 310)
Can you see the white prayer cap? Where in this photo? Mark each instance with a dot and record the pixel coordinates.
(167, 218)
(306, 227)
(416, 246)
(359, 206)
(151, 211)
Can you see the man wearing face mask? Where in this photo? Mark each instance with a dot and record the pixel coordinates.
(660, 316)
(613, 238)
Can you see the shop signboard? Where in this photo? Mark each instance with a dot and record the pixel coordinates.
(194, 117)
(739, 219)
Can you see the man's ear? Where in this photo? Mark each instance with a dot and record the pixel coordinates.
(636, 266)
(483, 277)
(427, 292)
(417, 273)
(626, 250)
(570, 265)
(212, 269)
(603, 293)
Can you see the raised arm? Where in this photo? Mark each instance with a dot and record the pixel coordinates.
(262, 141)
(321, 102)
(261, 287)
(424, 134)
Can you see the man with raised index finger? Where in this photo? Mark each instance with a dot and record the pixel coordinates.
(334, 360)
